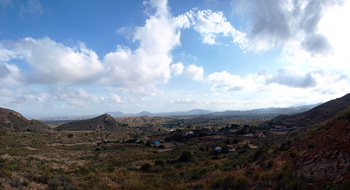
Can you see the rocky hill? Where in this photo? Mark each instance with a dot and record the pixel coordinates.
(316, 115)
(11, 121)
(324, 154)
(104, 122)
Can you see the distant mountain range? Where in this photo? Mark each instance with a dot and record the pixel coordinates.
(255, 113)
(264, 112)
(165, 114)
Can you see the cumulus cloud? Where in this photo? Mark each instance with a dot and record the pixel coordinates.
(21, 96)
(115, 98)
(54, 62)
(211, 24)
(275, 23)
(6, 54)
(292, 78)
(9, 75)
(177, 68)
(76, 96)
(225, 80)
(194, 72)
(150, 63)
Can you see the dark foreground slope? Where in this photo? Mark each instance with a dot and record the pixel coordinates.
(316, 115)
(11, 121)
(324, 154)
(104, 122)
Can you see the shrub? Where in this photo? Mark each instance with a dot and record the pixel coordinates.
(257, 154)
(159, 162)
(240, 183)
(157, 169)
(311, 145)
(185, 157)
(167, 139)
(235, 141)
(110, 168)
(70, 135)
(146, 167)
(269, 164)
(284, 147)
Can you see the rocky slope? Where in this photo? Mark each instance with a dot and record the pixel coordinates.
(324, 154)
(11, 121)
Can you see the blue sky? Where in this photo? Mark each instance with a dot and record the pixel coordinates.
(65, 57)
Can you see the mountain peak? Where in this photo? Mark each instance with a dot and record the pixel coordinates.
(103, 122)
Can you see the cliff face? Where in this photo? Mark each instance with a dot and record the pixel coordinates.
(104, 122)
(11, 121)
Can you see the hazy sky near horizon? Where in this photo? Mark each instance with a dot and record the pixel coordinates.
(64, 57)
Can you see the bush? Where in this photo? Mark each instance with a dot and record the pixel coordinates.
(257, 154)
(146, 167)
(185, 157)
(167, 139)
(159, 163)
(235, 141)
(70, 135)
(269, 164)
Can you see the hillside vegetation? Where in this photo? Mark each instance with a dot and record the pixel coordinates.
(181, 153)
(11, 121)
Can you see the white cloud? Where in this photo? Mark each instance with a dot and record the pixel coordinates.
(186, 101)
(225, 80)
(149, 64)
(75, 96)
(54, 62)
(211, 24)
(6, 54)
(337, 34)
(115, 98)
(193, 72)
(177, 68)
(289, 86)
(277, 23)
(9, 75)
(292, 77)
(21, 96)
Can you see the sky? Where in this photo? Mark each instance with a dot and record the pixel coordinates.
(64, 57)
